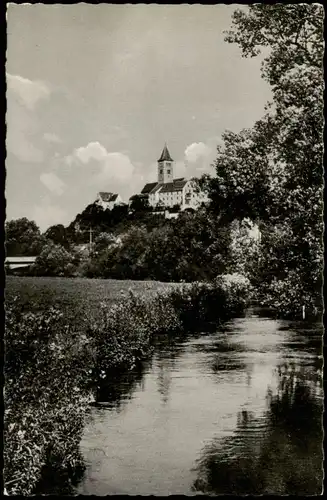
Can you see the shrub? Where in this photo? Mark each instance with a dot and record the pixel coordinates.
(287, 296)
(54, 260)
(44, 399)
(123, 336)
(238, 292)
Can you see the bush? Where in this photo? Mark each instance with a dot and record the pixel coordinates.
(124, 335)
(44, 399)
(238, 292)
(54, 260)
(288, 296)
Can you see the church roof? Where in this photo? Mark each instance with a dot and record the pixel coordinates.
(156, 188)
(148, 187)
(165, 155)
(176, 185)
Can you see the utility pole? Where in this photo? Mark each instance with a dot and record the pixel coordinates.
(91, 231)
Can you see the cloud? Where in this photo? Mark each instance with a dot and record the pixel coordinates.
(199, 156)
(21, 129)
(29, 92)
(93, 151)
(52, 138)
(118, 166)
(53, 183)
(23, 136)
(108, 170)
(197, 150)
(69, 160)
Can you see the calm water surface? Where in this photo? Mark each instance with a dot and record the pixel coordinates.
(238, 411)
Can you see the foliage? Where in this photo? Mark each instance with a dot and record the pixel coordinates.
(139, 203)
(272, 173)
(123, 336)
(23, 237)
(204, 182)
(293, 32)
(238, 291)
(288, 295)
(103, 241)
(54, 260)
(99, 219)
(44, 402)
(58, 235)
(245, 247)
(174, 209)
(192, 247)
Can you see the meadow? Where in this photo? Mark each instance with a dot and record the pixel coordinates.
(76, 297)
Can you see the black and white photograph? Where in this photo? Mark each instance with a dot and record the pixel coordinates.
(163, 249)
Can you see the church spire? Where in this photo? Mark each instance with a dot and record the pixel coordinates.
(165, 155)
(165, 167)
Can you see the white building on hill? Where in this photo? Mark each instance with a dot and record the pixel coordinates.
(168, 192)
(108, 200)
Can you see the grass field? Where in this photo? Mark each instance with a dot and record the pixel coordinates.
(75, 297)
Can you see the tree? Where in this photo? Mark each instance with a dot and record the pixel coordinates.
(58, 235)
(204, 182)
(119, 215)
(175, 208)
(54, 260)
(288, 139)
(192, 247)
(139, 203)
(273, 172)
(100, 220)
(23, 237)
(103, 240)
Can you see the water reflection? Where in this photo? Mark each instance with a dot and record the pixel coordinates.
(117, 390)
(167, 352)
(246, 401)
(277, 452)
(164, 379)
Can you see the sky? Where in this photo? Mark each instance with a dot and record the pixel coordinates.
(95, 91)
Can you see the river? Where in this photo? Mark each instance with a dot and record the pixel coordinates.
(235, 411)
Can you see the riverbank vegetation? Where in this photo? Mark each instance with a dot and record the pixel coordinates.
(52, 365)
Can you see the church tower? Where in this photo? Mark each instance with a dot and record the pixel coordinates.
(165, 167)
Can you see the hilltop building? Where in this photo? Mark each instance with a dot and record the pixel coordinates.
(168, 192)
(108, 200)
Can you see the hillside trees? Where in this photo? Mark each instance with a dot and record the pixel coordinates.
(58, 235)
(192, 247)
(139, 204)
(272, 173)
(99, 220)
